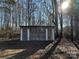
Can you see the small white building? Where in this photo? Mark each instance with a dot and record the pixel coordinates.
(41, 33)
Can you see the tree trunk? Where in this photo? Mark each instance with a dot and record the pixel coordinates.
(72, 27)
(56, 17)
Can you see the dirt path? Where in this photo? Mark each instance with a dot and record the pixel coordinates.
(65, 50)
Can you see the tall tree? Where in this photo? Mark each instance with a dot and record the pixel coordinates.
(56, 16)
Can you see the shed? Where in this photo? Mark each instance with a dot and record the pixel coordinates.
(41, 33)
